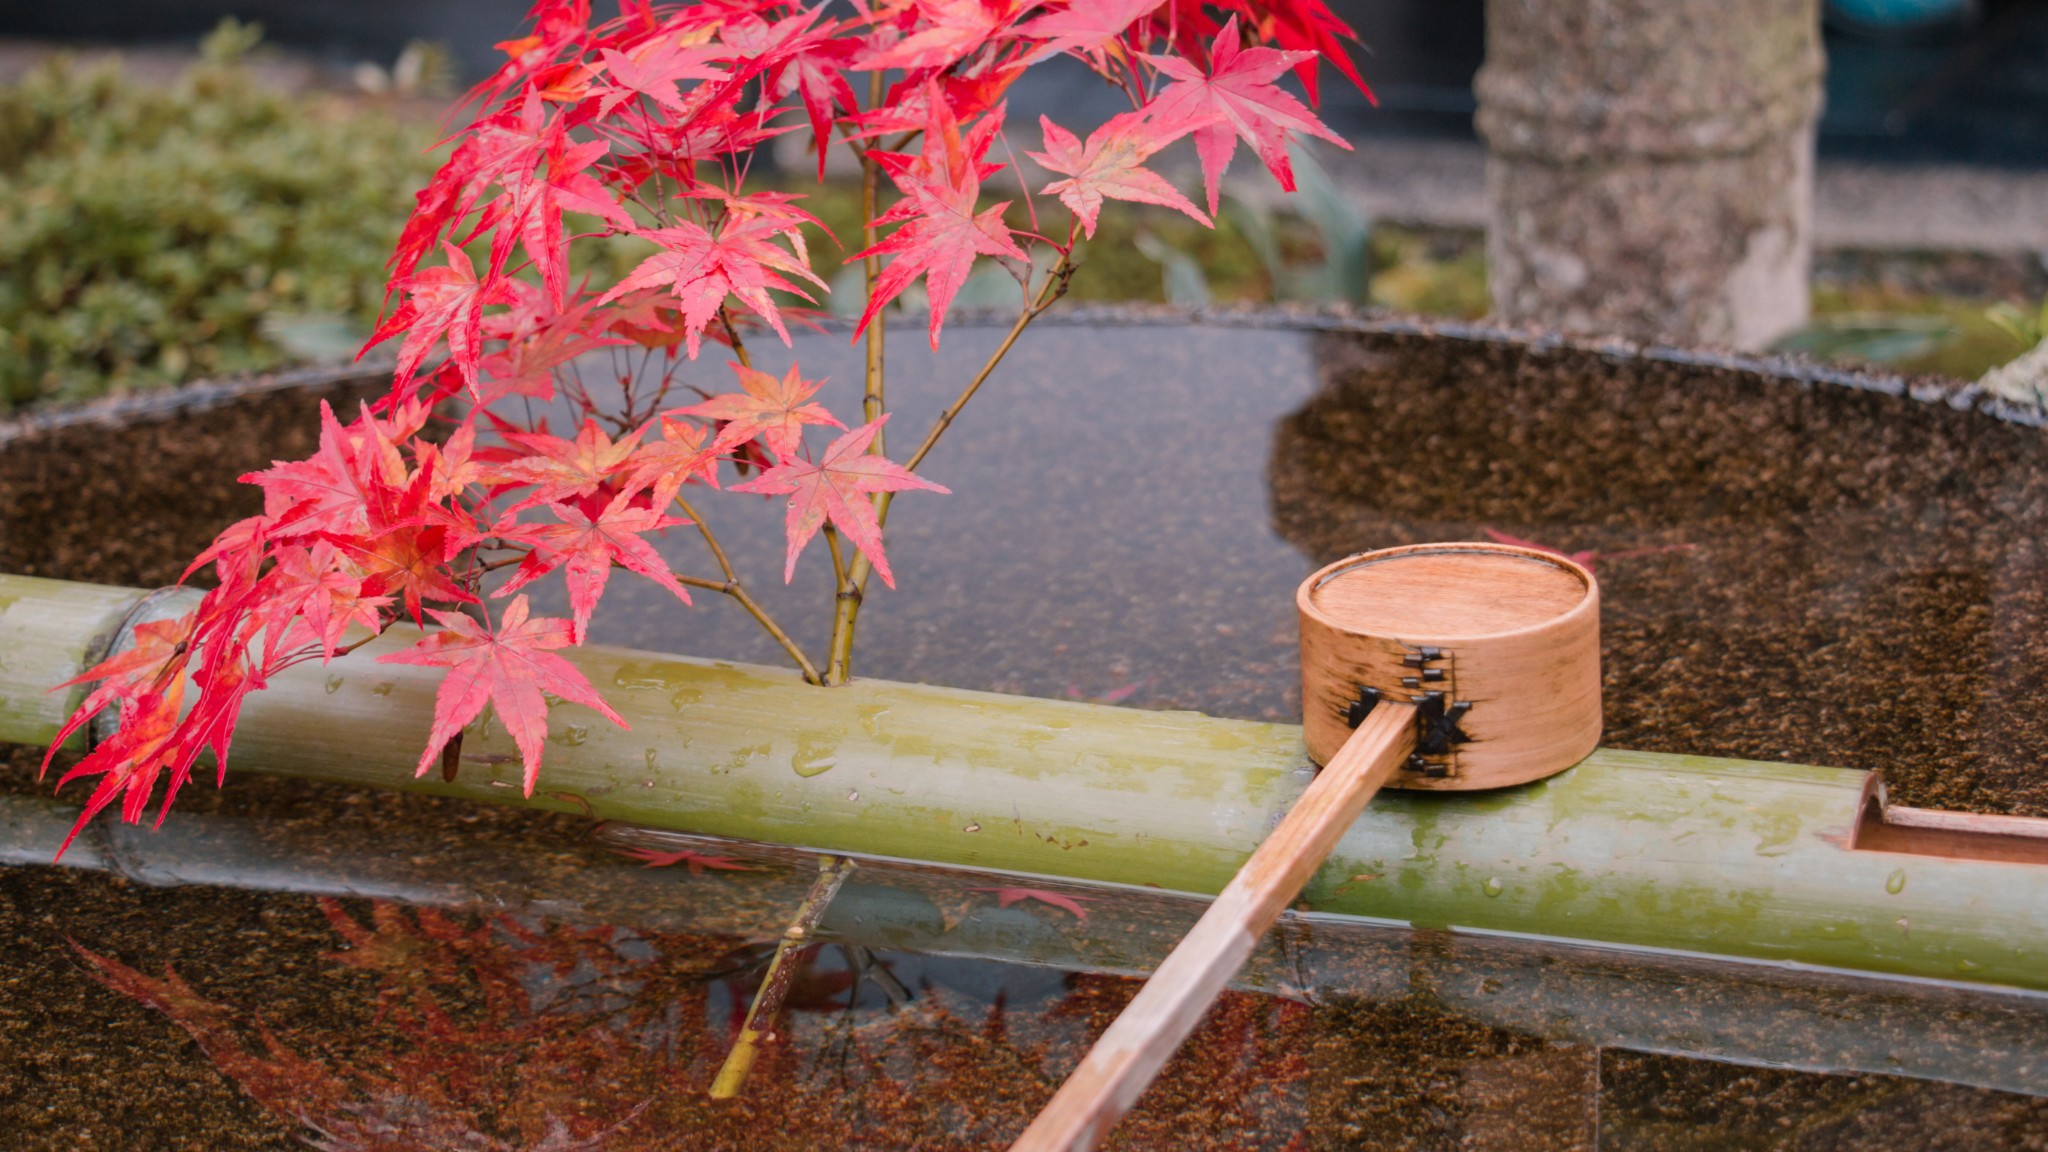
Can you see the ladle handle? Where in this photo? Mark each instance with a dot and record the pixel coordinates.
(1137, 1045)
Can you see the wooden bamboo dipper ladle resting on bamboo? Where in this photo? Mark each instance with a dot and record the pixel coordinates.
(1450, 667)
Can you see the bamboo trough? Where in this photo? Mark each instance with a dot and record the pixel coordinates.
(1768, 862)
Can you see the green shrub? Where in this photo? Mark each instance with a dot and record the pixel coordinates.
(150, 235)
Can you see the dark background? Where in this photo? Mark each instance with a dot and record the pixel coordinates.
(1971, 92)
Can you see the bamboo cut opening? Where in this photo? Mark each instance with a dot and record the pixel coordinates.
(1882, 827)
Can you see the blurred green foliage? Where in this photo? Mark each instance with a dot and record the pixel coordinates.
(151, 235)
(2026, 326)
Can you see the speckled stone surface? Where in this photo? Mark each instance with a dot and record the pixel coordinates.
(1133, 507)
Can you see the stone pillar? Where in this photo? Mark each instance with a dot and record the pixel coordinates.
(1650, 165)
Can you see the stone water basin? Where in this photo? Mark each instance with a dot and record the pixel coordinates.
(1796, 564)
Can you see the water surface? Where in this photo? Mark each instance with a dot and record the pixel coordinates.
(1792, 570)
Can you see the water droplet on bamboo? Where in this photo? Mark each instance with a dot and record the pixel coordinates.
(640, 676)
(333, 684)
(1896, 882)
(871, 718)
(575, 734)
(1493, 886)
(653, 760)
(814, 757)
(382, 688)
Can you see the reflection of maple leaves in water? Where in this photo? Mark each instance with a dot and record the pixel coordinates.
(1008, 896)
(698, 862)
(509, 1034)
(496, 1018)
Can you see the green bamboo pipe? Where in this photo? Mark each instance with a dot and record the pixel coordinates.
(1684, 853)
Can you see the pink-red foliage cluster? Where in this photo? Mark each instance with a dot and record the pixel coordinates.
(644, 125)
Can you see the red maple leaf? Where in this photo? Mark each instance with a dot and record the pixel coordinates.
(1236, 99)
(408, 560)
(445, 301)
(531, 212)
(1008, 896)
(652, 70)
(561, 469)
(556, 24)
(775, 410)
(527, 368)
(539, 336)
(454, 464)
(797, 57)
(405, 544)
(158, 657)
(509, 668)
(335, 489)
(498, 148)
(644, 317)
(1109, 166)
(942, 232)
(712, 132)
(1084, 28)
(832, 489)
(589, 546)
(1309, 25)
(316, 586)
(327, 492)
(947, 31)
(702, 268)
(697, 862)
(130, 760)
(680, 456)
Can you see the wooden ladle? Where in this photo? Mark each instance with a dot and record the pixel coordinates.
(1450, 667)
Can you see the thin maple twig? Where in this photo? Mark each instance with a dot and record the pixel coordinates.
(871, 404)
(1055, 287)
(839, 657)
(732, 333)
(738, 591)
(781, 974)
(838, 561)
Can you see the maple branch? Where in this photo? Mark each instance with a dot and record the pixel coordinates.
(839, 656)
(348, 648)
(782, 969)
(732, 587)
(1055, 287)
(732, 333)
(870, 195)
(838, 563)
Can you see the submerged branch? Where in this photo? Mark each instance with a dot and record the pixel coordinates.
(775, 983)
